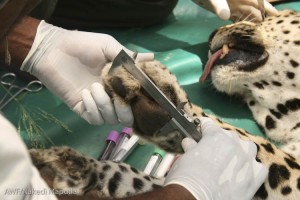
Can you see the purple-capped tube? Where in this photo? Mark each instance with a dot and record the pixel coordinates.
(124, 137)
(111, 142)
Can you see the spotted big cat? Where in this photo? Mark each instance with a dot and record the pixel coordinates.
(72, 170)
(260, 63)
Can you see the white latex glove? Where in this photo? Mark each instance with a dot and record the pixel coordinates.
(69, 64)
(19, 179)
(237, 10)
(221, 166)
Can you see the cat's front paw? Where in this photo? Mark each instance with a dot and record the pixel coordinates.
(149, 116)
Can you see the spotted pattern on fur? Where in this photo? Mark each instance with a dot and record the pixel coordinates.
(81, 174)
(271, 89)
(74, 170)
(284, 172)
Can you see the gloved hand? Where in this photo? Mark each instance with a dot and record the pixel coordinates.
(237, 10)
(221, 166)
(69, 64)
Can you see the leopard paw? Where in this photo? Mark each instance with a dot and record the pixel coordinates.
(149, 116)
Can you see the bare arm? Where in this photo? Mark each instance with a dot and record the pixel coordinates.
(20, 39)
(12, 11)
(170, 192)
(19, 32)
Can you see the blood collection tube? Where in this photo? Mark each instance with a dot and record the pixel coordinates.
(126, 149)
(164, 165)
(123, 138)
(154, 162)
(111, 141)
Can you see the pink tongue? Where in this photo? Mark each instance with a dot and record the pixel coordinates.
(209, 65)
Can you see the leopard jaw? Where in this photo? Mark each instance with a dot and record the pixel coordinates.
(241, 57)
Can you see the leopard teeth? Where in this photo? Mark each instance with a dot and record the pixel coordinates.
(225, 50)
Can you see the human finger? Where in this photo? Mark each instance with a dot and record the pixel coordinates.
(246, 12)
(260, 173)
(270, 10)
(249, 148)
(231, 134)
(104, 104)
(221, 9)
(145, 57)
(124, 113)
(89, 110)
(208, 126)
(139, 56)
(188, 143)
(114, 47)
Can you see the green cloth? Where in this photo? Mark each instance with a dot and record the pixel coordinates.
(181, 44)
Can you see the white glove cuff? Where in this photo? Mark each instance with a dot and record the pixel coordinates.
(45, 33)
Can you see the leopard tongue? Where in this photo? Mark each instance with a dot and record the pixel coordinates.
(221, 53)
(210, 63)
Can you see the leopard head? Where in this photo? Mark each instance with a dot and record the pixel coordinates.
(261, 63)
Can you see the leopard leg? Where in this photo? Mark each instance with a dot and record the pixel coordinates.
(68, 171)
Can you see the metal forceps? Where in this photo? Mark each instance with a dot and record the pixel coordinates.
(9, 79)
(261, 6)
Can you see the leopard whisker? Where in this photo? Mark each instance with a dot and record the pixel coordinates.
(230, 84)
(229, 88)
(246, 18)
(240, 17)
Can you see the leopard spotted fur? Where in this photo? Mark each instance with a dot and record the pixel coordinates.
(73, 170)
(263, 67)
(283, 181)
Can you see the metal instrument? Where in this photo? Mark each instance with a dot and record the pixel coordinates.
(261, 6)
(9, 79)
(180, 121)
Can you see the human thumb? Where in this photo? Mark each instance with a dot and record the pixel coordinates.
(187, 144)
(113, 47)
(145, 57)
